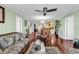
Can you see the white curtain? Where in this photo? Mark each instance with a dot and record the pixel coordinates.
(18, 24)
(69, 27)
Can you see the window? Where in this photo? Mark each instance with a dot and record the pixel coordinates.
(69, 27)
(18, 24)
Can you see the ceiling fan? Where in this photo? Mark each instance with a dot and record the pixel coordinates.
(45, 10)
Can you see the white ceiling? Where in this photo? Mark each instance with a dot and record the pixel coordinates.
(27, 10)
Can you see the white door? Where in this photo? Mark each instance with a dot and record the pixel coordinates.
(69, 27)
(18, 24)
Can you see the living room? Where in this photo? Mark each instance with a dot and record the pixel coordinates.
(21, 24)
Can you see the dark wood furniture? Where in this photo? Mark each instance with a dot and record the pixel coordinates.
(24, 50)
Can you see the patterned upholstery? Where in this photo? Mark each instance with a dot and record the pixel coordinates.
(11, 43)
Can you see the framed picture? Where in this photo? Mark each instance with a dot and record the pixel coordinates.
(2, 14)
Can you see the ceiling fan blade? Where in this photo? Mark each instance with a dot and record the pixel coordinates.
(38, 10)
(52, 10)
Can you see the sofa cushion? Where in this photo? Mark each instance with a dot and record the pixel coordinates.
(6, 42)
(14, 49)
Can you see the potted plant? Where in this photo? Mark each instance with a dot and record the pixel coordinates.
(27, 30)
(57, 26)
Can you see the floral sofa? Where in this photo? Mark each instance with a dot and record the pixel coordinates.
(12, 43)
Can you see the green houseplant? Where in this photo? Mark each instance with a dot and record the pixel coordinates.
(57, 27)
(27, 30)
